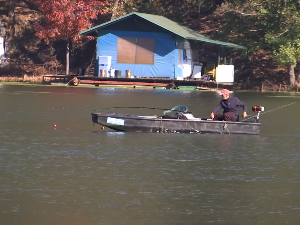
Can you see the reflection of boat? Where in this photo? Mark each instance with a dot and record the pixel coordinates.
(176, 120)
(205, 88)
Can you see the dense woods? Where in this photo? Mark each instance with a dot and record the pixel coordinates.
(38, 31)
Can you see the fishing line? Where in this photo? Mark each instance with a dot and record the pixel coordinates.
(277, 108)
(271, 110)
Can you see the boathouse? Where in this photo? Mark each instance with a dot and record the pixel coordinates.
(146, 45)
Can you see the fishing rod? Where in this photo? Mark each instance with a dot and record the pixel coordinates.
(63, 108)
(179, 108)
(120, 107)
(134, 107)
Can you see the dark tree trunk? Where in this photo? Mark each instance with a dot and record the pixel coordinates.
(10, 4)
(114, 10)
(10, 31)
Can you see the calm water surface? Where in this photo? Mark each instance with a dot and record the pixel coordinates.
(77, 174)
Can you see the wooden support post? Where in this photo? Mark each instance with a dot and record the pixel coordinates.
(262, 87)
(279, 87)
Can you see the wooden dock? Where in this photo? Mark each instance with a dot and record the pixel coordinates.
(162, 83)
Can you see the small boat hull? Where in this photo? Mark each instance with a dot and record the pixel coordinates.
(154, 124)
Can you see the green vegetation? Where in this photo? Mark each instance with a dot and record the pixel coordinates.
(270, 25)
(270, 30)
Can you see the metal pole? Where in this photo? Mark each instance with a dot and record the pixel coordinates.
(219, 56)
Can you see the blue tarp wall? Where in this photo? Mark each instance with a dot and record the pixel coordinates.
(165, 55)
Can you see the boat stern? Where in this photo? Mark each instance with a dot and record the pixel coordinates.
(94, 118)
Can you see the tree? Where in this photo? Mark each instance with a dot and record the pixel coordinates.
(10, 5)
(114, 10)
(64, 19)
(284, 36)
(273, 25)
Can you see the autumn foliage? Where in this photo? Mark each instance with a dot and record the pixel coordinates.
(64, 19)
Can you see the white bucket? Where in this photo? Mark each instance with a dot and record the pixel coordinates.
(112, 72)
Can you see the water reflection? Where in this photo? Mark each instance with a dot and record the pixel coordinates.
(78, 173)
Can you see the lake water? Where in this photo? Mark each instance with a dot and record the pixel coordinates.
(75, 173)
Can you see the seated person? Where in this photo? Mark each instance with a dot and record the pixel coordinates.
(230, 105)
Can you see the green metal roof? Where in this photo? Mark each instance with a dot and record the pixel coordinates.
(167, 24)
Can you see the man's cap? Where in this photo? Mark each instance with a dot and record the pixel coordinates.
(224, 92)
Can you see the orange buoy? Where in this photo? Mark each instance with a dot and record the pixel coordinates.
(75, 81)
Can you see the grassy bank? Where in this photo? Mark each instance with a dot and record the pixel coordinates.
(24, 79)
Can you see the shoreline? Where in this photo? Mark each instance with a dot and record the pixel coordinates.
(39, 81)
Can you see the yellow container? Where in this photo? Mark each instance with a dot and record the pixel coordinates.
(128, 73)
(102, 73)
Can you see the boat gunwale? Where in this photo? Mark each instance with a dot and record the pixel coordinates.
(159, 118)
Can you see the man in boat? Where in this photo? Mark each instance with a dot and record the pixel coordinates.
(230, 105)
